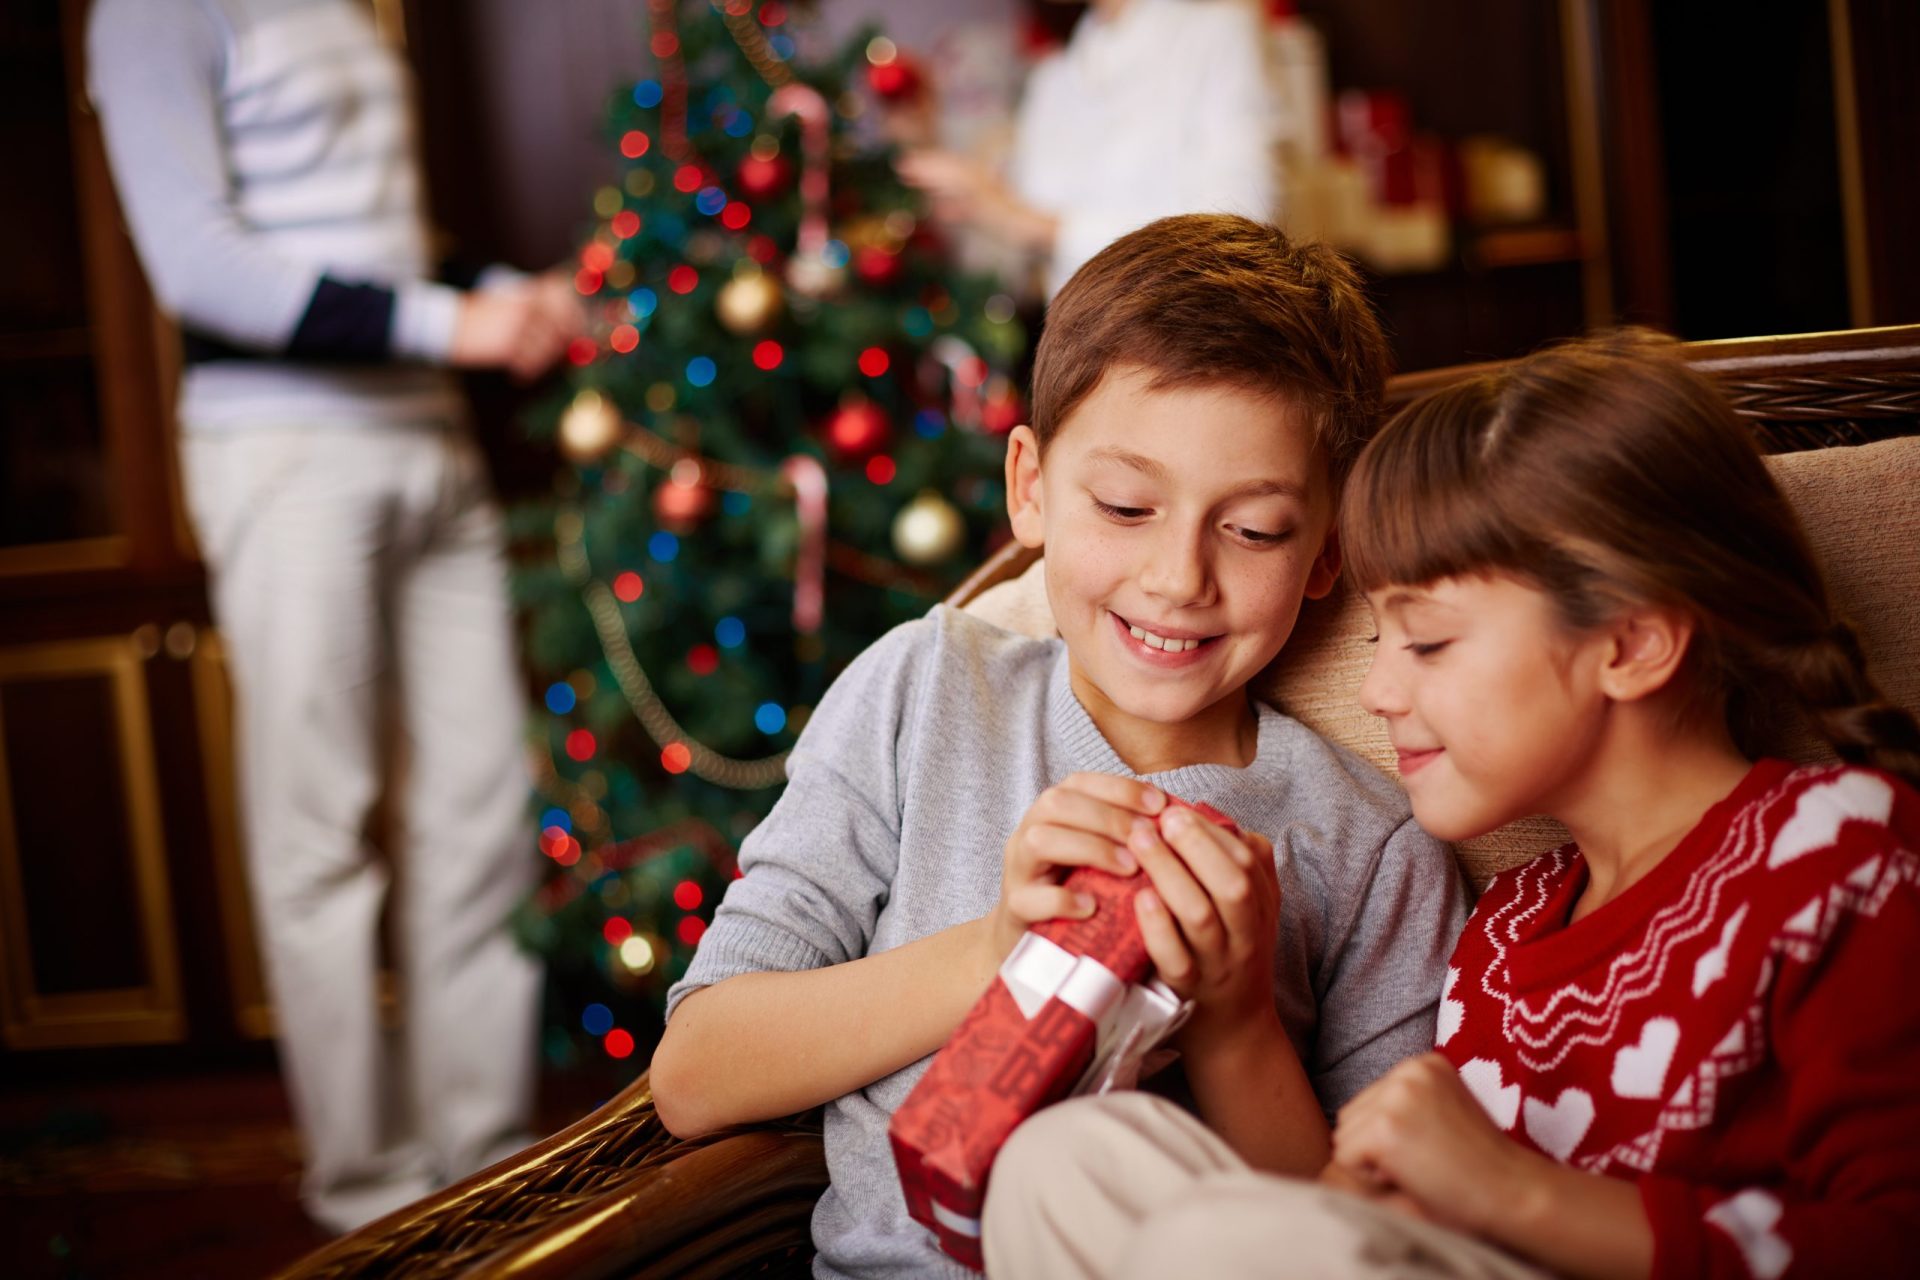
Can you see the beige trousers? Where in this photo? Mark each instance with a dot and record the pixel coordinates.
(358, 578)
(1128, 1186)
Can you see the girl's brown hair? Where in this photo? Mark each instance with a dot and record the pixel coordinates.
(1606, 472)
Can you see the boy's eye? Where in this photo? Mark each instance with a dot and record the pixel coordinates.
(1426, 649)
(1120, 513)
(1256, 536)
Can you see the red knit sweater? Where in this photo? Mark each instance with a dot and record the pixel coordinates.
(1739, 1031)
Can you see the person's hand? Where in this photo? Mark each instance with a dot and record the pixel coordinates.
(1418, 1140)
(1209, 921)
(514, 327)
(559, 302)
(964, 192)
(1081, 822)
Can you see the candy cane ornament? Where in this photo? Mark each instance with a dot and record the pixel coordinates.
(809, 481)
(810, 273)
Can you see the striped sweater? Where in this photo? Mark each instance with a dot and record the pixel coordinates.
(264, 154)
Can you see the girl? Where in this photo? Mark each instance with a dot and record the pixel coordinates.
(1675, 1046)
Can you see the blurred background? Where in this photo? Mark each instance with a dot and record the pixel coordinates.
(1505, 171)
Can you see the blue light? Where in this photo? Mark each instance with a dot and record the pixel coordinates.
(731, 633)
(782, 45)
(929, 424)
(642, 301)
(918, 322)
(835, 254)
(711, 200)
(663, 546)
(647, 94)
(770, 717)
(556, 817)
(738, 125)
(700, 371)
(736, 503)
(560, 697)
(597, 1019)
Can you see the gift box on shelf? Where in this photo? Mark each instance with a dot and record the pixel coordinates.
(1074, 1009)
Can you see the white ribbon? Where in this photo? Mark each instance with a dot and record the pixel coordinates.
(1132, 1019)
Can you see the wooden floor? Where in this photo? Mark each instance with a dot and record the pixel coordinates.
(169, 1179)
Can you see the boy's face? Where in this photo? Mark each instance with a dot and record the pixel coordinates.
(1182, 528)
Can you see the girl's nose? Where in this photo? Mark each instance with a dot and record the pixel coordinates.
(1380, 693)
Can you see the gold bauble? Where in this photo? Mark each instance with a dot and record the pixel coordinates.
(590, 427)
(811, 276)
(928, 530)
(748, 304)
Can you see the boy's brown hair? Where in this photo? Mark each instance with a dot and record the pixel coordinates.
(1217, 298)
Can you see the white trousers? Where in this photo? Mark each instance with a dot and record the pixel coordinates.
(359, 580)
(1130, 1187)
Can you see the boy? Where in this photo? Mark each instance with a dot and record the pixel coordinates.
(1201, 387)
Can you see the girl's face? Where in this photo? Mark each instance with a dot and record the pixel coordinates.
(1493, 707)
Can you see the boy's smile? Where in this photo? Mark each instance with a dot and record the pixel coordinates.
(1182, 527)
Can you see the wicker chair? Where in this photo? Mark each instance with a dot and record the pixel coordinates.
(615, 1194)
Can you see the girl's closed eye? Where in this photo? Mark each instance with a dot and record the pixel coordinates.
(1426, 648)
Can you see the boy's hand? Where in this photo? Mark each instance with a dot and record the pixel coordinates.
(1081, 822)
(1210, 920)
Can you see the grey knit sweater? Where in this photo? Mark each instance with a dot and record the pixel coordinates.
(903, 789)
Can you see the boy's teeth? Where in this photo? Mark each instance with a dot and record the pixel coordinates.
(1153, 641)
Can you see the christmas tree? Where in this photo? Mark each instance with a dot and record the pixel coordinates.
(784, 437)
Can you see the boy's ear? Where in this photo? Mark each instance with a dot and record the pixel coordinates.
(1646, 648)
(1326, 566)
(1023, 487)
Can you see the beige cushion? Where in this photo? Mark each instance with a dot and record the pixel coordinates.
(1860, 506)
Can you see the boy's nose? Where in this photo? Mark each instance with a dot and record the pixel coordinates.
(1176, 571)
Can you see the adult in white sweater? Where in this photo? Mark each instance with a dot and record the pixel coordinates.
(263, 152)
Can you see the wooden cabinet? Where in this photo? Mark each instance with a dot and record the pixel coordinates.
(122, 908)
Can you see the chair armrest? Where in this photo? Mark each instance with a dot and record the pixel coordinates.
(613, 1194)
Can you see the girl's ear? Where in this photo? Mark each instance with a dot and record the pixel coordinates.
(1646, 650)
(1023, 487)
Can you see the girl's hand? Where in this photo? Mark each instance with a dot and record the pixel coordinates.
(1209, 921)
(1082, 822)
(1416, 1134)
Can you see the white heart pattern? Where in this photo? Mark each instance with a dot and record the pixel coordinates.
(1557, 1129)
(1749, 1218)
(1822, 809)
(1640, 1070)
(1712, 966)
(1451, 1010)
(1482, 1078)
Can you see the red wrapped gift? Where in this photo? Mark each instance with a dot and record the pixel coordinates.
(1073, 997)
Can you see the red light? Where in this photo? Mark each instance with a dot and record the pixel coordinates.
(736, 215)
(626, 223)
(767, 354)
(687, 178)
(874, 362)
(624, 338)
(616, 931)
(582, 351)
(580, 744)
(762, 249)
(703, 659)
(880, 468)
(634, 144)
(568, 853)
(587, 280)
(973, 372)
(690, 929)
(687, 895)
(628, 586)
(675, 757)
(552, 840)
(619, 1043)
(665, 44)
(772, 13)
(682, 279)
(597, 256)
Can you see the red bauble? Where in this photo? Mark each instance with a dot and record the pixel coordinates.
(858, 427)
(759, 178)
(1001, 413)
(876, 266)
(678, 506)
(897, 80)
